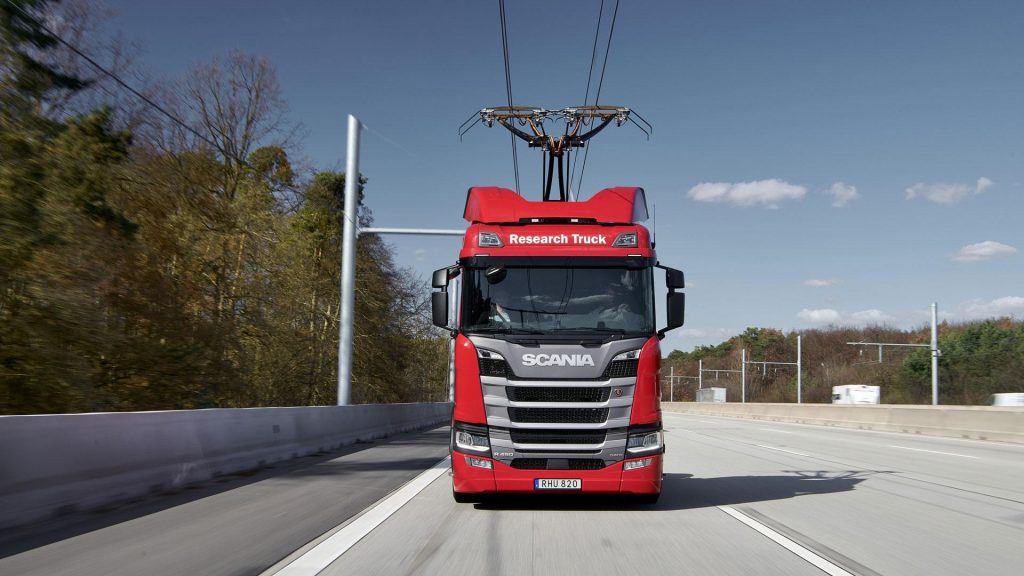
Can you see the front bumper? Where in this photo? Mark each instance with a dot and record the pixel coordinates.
(505, 479)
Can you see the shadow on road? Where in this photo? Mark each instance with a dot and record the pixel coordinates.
(295, 471)
(683, 492)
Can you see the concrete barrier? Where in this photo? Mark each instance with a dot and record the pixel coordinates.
(56, 464)
(1003, 424)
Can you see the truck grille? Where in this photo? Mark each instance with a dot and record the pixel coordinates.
(494, 367)
(557, 436)
(558, 464)
(621, 369)
(527, 394)
(558, 415)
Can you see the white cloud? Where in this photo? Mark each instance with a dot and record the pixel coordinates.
(710, 333)
(979, 309)
(843, 194)
(983, 251)
(767, 193)
(872, 316)
(817, 283)
(942, 193)
(820, 316)
(830, 316)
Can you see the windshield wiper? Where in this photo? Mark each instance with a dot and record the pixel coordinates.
(495, 330)
(588, 329)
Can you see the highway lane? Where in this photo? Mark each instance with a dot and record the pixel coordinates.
(741, 497)
(237, 525)
(866, 502)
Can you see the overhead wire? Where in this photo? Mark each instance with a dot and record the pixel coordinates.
(586, 97)
(508, 86)
(149, 102)
(600, 83)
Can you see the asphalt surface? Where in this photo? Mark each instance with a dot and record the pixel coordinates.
(868, 503)
(861, 502)
(235, 526)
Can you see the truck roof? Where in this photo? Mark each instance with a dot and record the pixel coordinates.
(493, 205)
(504, 224)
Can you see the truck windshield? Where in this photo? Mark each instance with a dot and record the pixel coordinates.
(550, 300)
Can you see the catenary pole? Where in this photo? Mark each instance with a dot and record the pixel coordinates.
(348, 263)
(743, 375)
(935, 353)
(799, 371)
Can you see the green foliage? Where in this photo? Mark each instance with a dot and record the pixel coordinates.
(978, 359)
(150, 272)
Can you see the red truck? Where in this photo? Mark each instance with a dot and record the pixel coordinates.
(556, 352)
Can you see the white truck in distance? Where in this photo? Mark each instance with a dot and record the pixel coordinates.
(855, 394)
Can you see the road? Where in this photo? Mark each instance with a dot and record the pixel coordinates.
(740, 497)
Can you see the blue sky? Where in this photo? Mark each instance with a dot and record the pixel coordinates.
(812, 162)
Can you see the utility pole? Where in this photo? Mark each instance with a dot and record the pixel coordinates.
(743, 375)
(672, 383)
(350, 232)
(799, 373)
(935, 353)
(348, 263)
(933, 348)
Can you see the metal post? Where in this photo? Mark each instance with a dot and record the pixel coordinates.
(799, 370)
(743, 375)
(700, 374)
(348, 263)
(452, 300)
(671, 383)
(935, 353)
(880, 353)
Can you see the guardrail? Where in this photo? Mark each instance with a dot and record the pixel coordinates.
(56, 464)
(976, 422)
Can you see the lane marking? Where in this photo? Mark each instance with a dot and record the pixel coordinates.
(709, 421)
(818, 561)
(774, 430)
(323, 554)
(932, 451)
(783, 450)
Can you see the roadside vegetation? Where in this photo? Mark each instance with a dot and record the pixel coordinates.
(978, 359)
(154, 261)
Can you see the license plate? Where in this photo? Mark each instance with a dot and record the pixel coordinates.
(557, 484)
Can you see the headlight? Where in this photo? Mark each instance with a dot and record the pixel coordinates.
(625, 240)
(634, 464)
(489, 240)
(645, 442)
(488, 355)
(478, 462)
(631, 355)
(472, 441)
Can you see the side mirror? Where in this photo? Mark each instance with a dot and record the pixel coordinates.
(675, 309)
(440, 278)
(439, 307)
(674, 278)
